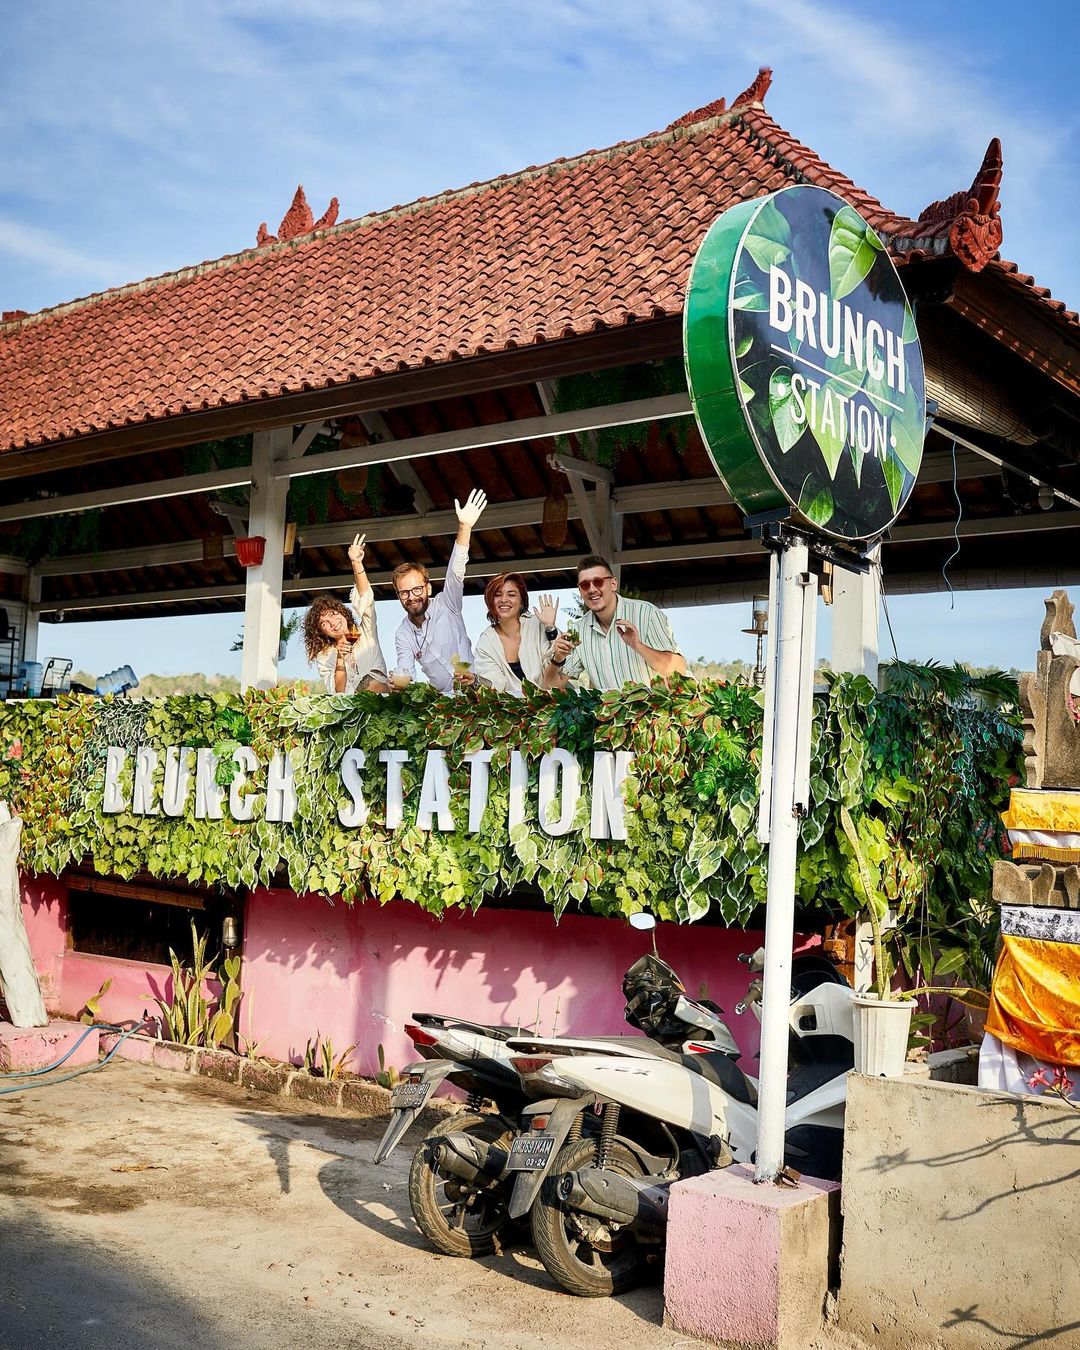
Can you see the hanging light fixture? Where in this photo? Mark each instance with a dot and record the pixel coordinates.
(759, 627)
(554, 527)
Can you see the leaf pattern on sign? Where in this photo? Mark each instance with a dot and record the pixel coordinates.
(831, 440)
(741, 348)
(769, 239)
(910, 333)
(853, 250)
(746, 390)
(816, 501)
(908, 434)
(748, 295)
(787, 426)
(894, 479)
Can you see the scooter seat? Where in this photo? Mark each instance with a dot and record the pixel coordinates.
(807, 1078)
(722, 1070)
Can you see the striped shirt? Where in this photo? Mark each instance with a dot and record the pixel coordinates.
(606, 660)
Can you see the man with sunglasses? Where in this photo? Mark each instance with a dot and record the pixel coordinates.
(433, 630)
(622, 641)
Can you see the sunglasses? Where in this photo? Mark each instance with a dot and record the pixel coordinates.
(413, 593)
(595, 585)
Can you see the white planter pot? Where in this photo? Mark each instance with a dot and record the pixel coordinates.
(881, 1035)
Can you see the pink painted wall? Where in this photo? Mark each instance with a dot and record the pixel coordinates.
(356, 974)
(69, 978)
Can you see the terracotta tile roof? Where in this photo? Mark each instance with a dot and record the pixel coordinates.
(583, 244)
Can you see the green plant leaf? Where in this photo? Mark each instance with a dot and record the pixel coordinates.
(816, 501)
(853, 250)
(830, 439)
(894, 479)
(782, 409)
(748, 296)
(769, 240)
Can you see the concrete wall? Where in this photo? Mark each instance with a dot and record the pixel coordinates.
(960, 1218)
(69, 978)
(357, 973)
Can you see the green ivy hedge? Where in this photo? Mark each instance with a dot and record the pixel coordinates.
(923, 773)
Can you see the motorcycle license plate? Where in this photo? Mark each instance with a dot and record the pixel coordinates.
(530, 1152)
(408, 1095)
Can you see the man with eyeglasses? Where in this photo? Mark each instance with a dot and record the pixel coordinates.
(433, 632)
(622, 641)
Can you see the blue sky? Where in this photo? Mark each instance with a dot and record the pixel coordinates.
(137, 138)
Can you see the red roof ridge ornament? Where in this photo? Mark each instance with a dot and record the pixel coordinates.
(973, 217)
(755, 94)
(757, 91)
(298, 220)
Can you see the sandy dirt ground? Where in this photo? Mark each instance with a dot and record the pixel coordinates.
(146, 1210)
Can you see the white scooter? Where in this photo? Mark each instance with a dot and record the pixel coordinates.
(459, 1191)
(596, 1162)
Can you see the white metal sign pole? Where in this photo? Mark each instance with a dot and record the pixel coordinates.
(784, 800)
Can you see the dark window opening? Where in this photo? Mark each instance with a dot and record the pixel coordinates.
(134, 929)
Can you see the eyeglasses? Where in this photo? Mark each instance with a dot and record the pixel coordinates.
(413, 593)
(597, 584)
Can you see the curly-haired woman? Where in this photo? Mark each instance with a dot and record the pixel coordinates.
(344, 645)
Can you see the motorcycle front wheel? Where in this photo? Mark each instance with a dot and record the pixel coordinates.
(583, 1254)
(457, 1218)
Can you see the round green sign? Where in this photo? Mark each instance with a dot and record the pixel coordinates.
(803, 363)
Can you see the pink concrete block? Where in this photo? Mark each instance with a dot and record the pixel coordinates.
(26, 1048)
(749, 1265)
(178, 1058)
(137, 1048)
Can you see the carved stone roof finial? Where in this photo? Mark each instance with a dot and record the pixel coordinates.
(972, 217)
(298, 220)
(757, 91)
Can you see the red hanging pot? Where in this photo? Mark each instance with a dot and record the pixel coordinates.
(249, 551)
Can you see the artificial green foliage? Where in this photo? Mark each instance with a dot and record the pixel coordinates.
(622, 384)
(922, 772)
(53, 536)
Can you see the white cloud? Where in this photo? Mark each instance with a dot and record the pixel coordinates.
(28, 244)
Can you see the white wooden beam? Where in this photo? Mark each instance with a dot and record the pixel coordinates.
(307, 433)
(855, 620)
(1037, 523)
(33, 617)
(498, 433)
(131, 492)
(591, 473)
(585, 511)
(375, 424)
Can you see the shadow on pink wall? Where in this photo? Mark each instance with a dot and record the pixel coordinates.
(357, 974)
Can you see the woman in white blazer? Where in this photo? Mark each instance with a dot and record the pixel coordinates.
(516, 647)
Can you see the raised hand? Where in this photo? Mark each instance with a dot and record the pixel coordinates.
(561, 648)
(357, 550)
(628, 633)
(547, 611)
(473, 509)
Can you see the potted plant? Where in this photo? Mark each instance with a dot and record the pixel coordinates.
(882, 1020)
(290, 625)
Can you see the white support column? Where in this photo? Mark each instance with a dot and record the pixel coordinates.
(855, 619)
(30, 632)
(266, 516)
(785, 777)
